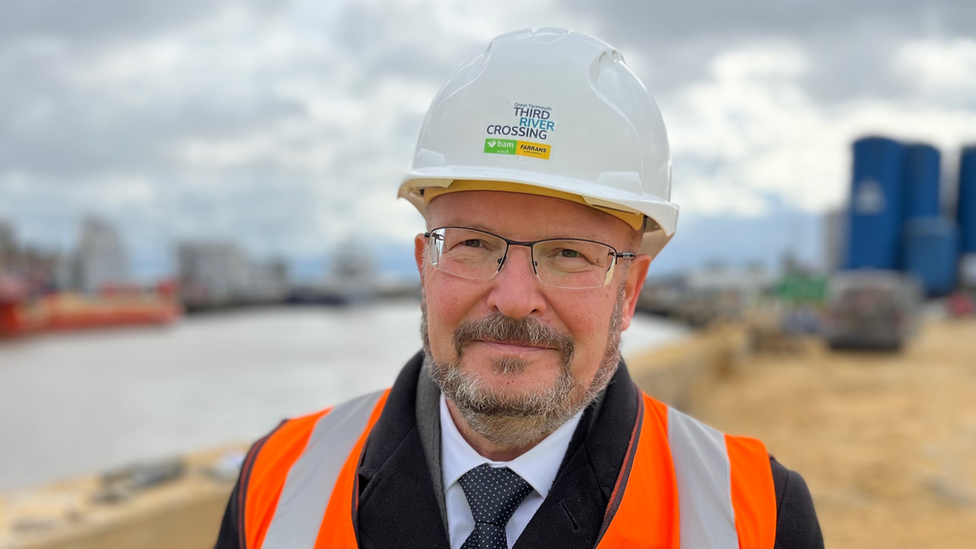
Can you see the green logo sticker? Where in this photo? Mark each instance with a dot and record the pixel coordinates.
(500, 146)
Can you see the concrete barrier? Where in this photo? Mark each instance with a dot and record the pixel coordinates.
(676, 373)
(109, 512)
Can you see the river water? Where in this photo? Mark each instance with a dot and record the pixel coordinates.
(84, 402)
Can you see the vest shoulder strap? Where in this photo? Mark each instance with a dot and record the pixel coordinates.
(753, 492)
(687, 485)
(303, 476)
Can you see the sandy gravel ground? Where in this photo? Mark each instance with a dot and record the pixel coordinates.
(887, 443)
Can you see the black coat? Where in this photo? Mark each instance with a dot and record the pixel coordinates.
(401, 500)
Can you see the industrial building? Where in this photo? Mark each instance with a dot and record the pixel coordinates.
(898, 218)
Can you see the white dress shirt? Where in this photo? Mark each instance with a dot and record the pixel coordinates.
(538, 467)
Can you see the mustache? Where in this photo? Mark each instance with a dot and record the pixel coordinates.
(518, 331)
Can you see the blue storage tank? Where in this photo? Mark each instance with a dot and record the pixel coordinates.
(967, 199)
(922, 171)
(932, 253)
(875, 212)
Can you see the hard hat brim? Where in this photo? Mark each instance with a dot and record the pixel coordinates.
(663, 214)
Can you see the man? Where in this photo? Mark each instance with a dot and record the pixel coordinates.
(543, 173)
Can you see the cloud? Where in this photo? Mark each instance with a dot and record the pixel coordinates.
(750, 137)
(288, 125)
(266, 122)
(750, 18)
(101, 21)
(848, 45)
(940, 70)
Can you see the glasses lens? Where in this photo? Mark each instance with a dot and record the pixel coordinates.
(573, 263)
(466, 253)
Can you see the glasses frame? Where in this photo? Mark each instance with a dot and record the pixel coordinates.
(530, 244)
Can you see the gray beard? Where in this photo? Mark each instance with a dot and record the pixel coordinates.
(517, 420)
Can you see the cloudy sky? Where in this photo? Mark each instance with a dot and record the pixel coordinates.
(286, 125)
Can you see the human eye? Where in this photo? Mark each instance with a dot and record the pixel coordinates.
(570, 258)
(471, 244)
(572, 255)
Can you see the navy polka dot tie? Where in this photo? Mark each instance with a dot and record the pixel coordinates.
(493, 495)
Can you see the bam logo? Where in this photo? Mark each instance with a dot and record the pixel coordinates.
(500, 146)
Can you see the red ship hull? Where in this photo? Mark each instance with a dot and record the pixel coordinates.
(58, 312)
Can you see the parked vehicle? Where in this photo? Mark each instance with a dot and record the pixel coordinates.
(871, 310)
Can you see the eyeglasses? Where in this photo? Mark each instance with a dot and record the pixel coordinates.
(559, 262)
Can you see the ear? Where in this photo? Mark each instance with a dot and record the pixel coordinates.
(634, 283)
(420, 254)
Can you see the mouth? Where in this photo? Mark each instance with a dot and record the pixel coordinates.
(512, 346)
(500, 337)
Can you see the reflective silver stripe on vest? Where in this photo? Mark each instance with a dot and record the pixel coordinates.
(310, 480)
(703, 474)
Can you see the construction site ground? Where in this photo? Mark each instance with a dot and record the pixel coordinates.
(885, 441)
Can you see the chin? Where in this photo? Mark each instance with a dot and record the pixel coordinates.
(510, 377)
(511, 362)
(508, 388)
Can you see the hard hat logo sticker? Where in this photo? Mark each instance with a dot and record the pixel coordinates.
(535, 150)
(507, 118)
(518, 148)
(500, 146)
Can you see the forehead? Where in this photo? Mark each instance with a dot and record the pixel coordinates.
(524, 217)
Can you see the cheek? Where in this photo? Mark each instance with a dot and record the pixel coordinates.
(449, 302)
(587, 319)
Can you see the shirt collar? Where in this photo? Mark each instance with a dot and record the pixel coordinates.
(538, 466)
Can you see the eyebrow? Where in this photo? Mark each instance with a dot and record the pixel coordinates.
(487, 229)
(478, 226)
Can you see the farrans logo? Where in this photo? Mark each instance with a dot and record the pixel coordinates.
(500, 146)
(535, 150)
(518, 148)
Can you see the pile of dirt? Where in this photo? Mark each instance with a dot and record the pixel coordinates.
(886, 442)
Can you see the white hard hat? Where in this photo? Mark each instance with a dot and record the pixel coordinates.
(550, 112)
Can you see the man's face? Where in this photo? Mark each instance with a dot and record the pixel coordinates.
(572, 328)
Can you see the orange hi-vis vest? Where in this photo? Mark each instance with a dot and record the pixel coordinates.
(682, 485)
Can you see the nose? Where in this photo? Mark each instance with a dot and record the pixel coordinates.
(515, 290)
